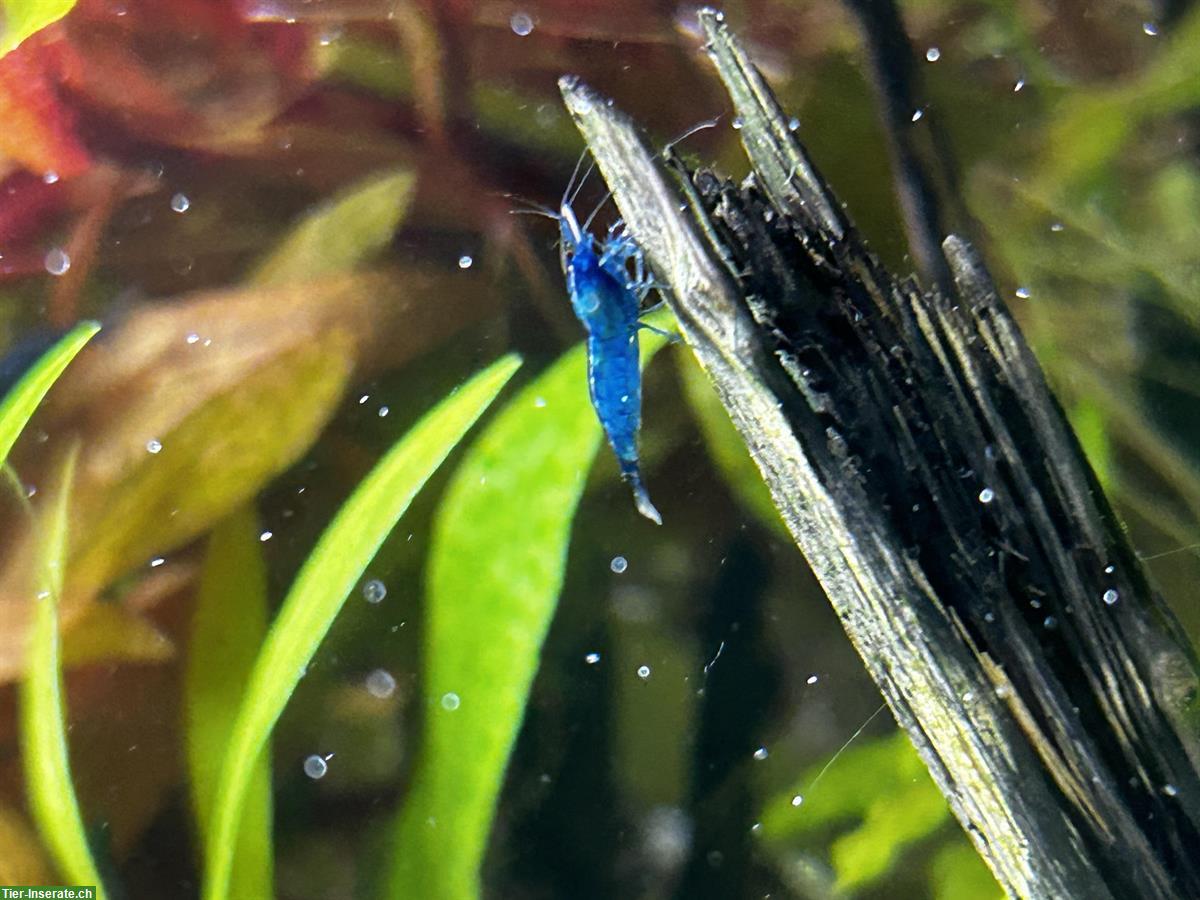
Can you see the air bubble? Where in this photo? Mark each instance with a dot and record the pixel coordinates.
(797, 800)
(465, 262)
(761, 753)
(381, 684)
(50, 177)
(643, 672)
(315, 767)
(451, 701)
(180, 203)
(619, 564)
(153, 446)
(933, 54)
(521, 24)
(1150, 28)
(812, 679)
(918, 115)
(266, 536)
(1019, 85)
(1023, 293)
(737, 123)
(1111, 597)
(987, 495)
(592, 658)
(57, 262)
(793, 124)
(374, 591)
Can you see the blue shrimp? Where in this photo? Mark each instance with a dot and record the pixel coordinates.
(608, 303)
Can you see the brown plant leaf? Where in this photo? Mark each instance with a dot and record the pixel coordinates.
(186, 409)
(22, 860)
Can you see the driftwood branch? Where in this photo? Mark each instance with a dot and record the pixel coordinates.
(925, 470)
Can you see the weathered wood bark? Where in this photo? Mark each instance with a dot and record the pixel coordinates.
(914, 450)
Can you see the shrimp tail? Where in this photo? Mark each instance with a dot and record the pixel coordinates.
(631, 475)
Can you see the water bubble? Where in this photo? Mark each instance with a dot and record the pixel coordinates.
(363, 399)
(917, 115)
(793, 124)
(156, 562)
(180, 203)
(192, 337)
(619, 564)
(521, 24)
(987, 495)
(1108, 570)
(451, 701)
(266, 536)
(933, 54)
(1050, 623)
(465, 261)
(812, 679)
(1170, 790)
(756, 828)
(381, 684)
(383, 411)
(153, 446)
(1022, 293)
(57, 262)
(1057, 227)
(50, 177)
(1019, 85)
(1150, 28)
(374, 591)
(737, 123)
(592, 658)
(315, 767)
(1111, 597)
(643, 672)
(761, 753)
(797, 800)
(539, 402)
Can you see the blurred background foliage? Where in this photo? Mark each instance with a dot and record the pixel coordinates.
(292, 217)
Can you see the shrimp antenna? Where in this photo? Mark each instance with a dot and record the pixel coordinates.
(707, 123)
(531, 208)
(572, 190)
(599, 206)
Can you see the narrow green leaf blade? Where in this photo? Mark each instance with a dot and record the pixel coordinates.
(20, 19)
(19, 404)
(493, 585)
(342, 232)
(227, 628)
(44, 754)
(325, 580)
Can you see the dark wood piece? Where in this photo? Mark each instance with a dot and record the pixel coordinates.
(924, 468)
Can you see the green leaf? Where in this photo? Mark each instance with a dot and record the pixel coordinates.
(18, 405)
(340, 233)
(957, 871)
(228, 625)
(20, 19)
(1087, 419)
(882, 787)
(894, 820)
(498, 554)
(324, 581)
(44, 754)
(726, 446)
